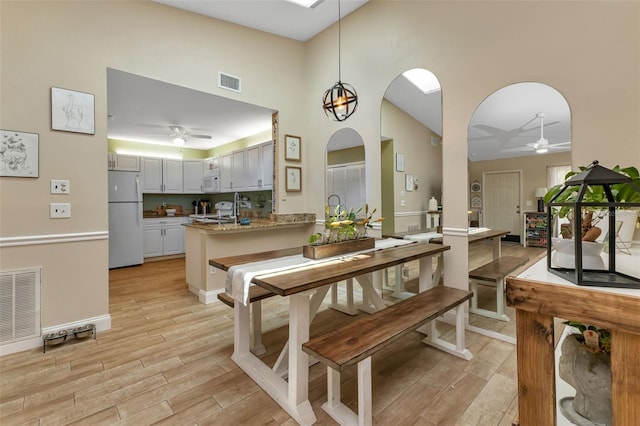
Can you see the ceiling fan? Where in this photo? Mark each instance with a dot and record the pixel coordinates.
(541, 145)
(179, 135)
(505, 136)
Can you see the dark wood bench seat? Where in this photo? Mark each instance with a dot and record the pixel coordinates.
(256, 295)
(493, 274)
(356, 342)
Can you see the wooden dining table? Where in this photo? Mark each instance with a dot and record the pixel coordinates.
(474, 236)
(306, 287)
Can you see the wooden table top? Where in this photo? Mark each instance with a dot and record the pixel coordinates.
(306, 278)
(473, 238)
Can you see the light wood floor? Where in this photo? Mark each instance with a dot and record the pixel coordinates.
(167, 360)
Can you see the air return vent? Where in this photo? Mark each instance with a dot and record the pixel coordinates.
(229, 82)
(19, 305)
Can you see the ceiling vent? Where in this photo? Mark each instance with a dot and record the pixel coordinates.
(229, 82)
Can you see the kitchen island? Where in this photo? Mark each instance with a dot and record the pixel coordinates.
(204, 241)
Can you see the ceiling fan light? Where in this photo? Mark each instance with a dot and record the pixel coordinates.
(179, 141)
(542, 150)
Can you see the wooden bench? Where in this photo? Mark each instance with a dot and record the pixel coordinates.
(492, 274)
(357, 341)
(256, 295)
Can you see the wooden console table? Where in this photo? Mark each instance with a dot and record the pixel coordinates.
(538, 297)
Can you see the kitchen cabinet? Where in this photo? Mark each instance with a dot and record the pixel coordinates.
(193, 171)
(259, 166)
(127, 163)
(211, 164)
(161, 175)
(232, 171)
(535, 229)
(163, 237)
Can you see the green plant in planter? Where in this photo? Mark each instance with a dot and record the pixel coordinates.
(342, 224)
(622, 193)
(596, 340)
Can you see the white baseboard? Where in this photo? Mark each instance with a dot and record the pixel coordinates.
(206, 297)
(102, 323)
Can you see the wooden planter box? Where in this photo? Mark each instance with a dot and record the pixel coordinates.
(336, 249)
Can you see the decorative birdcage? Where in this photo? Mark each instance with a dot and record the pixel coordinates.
(584, 200)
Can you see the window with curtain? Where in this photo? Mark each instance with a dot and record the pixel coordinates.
(556, 174)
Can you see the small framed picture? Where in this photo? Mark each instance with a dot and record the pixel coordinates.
(72, 111)
(294, 179)
(408, 182)
(399, 162)
(19, 154)
(292, 150)
(476, 187)
(476, 202)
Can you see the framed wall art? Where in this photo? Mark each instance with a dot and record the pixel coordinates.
(292, 148)
(72, 111)
(476, 187)
(19, 154)
(294, 179)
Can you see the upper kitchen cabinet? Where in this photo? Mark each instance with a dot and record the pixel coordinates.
(161, 175)
(127, 163)
(232, 171)
(193, 171)
(259, 166)
(211, 164)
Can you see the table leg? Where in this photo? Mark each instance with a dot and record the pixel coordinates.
(497, 248)
(291, 395)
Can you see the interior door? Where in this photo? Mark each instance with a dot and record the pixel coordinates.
(502, 201)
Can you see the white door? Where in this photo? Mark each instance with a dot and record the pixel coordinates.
(153, 241)
(173, 241)
(501, 201)
(253, 171)
(267, 165)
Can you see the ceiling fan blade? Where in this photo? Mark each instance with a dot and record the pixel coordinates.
(177, 129)
(519, 149)
(199, 136)
(490, 129)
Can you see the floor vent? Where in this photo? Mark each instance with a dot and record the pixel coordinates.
(229, 82)
(19, 305)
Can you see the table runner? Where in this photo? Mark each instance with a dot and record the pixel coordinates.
(239, 276)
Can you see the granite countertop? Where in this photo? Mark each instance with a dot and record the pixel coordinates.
(255, 225)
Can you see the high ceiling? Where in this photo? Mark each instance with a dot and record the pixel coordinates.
(279, 17)
(142, 109)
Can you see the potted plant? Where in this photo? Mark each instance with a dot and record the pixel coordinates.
(342, 226)
(622, 193)
(585, 364)
(594, 220)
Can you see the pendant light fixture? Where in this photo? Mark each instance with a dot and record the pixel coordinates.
(341, 100)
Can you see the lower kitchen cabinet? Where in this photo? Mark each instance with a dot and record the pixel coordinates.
(163, 237)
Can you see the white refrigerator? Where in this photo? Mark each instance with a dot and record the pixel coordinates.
(125, 219)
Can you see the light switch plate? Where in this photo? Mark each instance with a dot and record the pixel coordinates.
(60, 210)
(60, 186)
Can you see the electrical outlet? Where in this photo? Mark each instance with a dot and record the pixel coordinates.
(405, 272)
(60, 210)
(60, 186)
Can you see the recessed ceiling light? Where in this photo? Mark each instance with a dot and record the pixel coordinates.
(306, 3)
(423, 80)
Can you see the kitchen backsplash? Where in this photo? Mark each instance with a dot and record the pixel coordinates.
(152, 201)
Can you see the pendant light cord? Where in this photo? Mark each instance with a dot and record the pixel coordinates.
(339, 44)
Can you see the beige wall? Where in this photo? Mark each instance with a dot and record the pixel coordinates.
(473, 48)
(533, 168)
(421, 159)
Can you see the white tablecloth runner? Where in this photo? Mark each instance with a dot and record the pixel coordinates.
(424, 237)
(239, 277)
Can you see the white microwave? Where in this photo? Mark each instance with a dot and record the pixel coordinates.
(211, 183)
